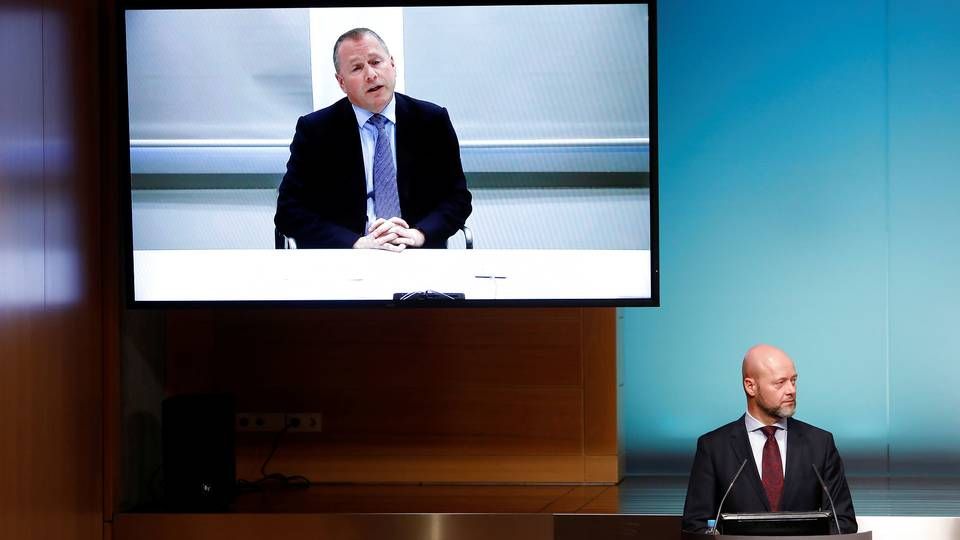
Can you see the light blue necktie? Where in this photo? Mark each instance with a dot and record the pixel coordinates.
(386, 200)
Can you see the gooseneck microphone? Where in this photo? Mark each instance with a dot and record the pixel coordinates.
(742, 465)
(829, 498)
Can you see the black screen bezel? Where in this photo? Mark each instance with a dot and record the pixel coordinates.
(125, 193)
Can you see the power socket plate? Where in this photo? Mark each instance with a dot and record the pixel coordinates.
(304, 422)
(259, 421)
(301, 422)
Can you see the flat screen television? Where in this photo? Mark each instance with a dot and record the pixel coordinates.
(777, 524)
(544, 115)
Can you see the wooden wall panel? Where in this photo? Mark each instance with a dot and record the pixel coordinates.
(600, 386)
(438, 395)
(111, 277)
(50, 363)
(373, 348)
(394, 468)
(420, 499)
(21, 272)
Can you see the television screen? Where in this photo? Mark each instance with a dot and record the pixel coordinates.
(492, 154)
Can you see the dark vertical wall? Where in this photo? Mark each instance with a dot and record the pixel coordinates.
(50, 307)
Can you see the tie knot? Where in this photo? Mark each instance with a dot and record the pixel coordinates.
(769, 431)
(378, 121)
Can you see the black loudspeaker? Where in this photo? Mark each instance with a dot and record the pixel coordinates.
(199, 461)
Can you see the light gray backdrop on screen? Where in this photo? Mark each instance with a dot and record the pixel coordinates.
(218, 74)
(512, 64)
(504, 73)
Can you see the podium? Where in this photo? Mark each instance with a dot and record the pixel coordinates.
(866, 535)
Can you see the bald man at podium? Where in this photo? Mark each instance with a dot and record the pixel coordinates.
(778, 458)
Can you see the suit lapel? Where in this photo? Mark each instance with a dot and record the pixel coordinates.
(356, 182)
(403, 133)
(797, 461)
(742, 449)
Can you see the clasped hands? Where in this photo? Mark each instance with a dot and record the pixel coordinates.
(392, 234)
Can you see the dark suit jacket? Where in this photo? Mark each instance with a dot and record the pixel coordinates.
(720, 453)
(322, 200)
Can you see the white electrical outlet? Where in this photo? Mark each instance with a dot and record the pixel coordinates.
(259, 421)
(304, 422)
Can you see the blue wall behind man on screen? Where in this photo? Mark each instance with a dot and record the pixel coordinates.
(809, 198)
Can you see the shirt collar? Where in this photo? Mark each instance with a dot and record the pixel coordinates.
(753, 424)
(390, 111)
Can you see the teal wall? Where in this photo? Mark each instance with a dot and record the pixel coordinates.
(809, 198)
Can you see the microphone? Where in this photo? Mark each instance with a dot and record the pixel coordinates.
(742, 465)
(829, 498)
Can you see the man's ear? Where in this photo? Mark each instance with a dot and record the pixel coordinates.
(750, 386)
(340, 82)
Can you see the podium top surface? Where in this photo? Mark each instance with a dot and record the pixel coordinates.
(865, 535)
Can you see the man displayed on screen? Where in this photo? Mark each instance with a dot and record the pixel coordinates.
(780, 454)
(377, 169)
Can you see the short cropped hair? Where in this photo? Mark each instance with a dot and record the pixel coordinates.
(356, 33)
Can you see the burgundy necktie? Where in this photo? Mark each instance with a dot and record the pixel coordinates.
(772, 468)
